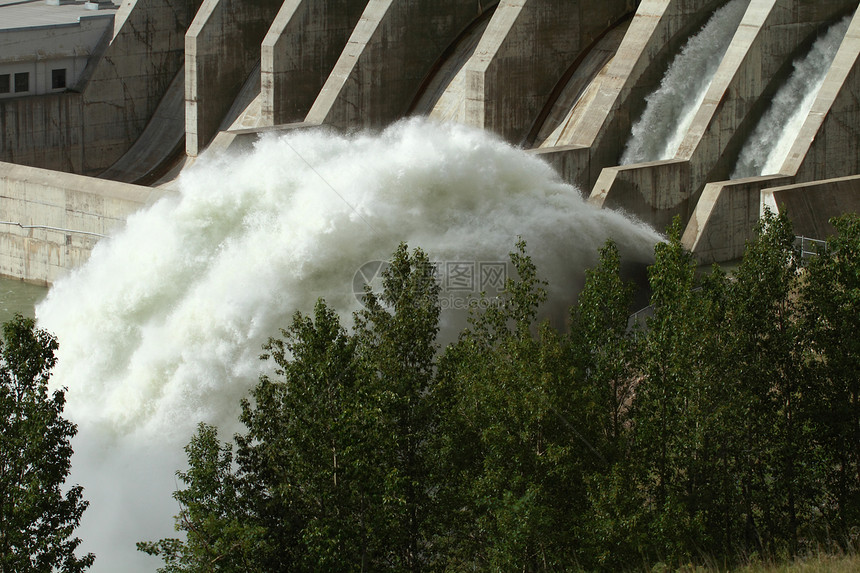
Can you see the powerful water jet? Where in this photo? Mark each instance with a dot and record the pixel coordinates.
(162, 328)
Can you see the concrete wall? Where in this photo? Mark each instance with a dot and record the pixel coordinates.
(828, 143)
(128, 82)
(69, 213)
(511, 75)
(725, 218)
(726, 213)
(653, 192)
(222, 48)
(43, 131)
(757, 61)
(299, 52)
(810, 206)
(392, 49)
(759, 57)
(600, 125)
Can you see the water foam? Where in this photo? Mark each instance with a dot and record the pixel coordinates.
(769, 145)
(670, 109)
(163, 326)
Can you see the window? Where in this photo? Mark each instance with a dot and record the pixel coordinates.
(58, 79)
(22, 82)
(5, 84)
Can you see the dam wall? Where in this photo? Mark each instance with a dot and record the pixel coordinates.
(811, 206)
(299, 52)
(510, 76)
(725, 214)
(45, 130)
(567, 80)
(222, 48)
(129, 80)
(595, 131)
(392, 49)
(50, 221)
(772, 33)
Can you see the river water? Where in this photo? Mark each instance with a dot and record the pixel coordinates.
(17, 296)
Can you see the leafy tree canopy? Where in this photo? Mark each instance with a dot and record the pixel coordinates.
(37, 519)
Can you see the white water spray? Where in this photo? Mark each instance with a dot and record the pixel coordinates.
(670, 109)
(768, 146)
(162, 328)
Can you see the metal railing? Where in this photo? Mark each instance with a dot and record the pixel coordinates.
(809, 247)
(49, 228)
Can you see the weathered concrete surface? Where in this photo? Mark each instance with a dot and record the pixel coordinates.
(828, 142)
(725, 218)
(824, 148)
(443, 95)
(770, 35)
(300, 50)
(598, 127)
(552, 129)
(131, 78)
(66, 214)
(510, 76)
(43, 131)
(161, 140)
(222, 48)
(810, 206)
(653, 192)
(390, 52)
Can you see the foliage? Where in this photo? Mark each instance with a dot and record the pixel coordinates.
(725, 426)
(37, 518)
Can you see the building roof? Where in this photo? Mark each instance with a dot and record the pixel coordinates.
(34, 13)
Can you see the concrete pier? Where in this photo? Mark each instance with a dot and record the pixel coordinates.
(771, 34)
(599, 126)
(222, 47)
(510, 76)
(719, 228)
(132, 76)
(300, 51)
(392, 49)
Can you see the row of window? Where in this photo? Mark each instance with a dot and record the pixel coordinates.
(21, 81)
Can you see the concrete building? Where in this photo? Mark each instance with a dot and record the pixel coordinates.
(566, 79)
(45, 48)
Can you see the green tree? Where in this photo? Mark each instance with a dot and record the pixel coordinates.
(307, 458)
(514, 437)
(668, 440)
(217, 538)
(332, 472)
(396, 352)
(774, 459)
(603, 348)
(603, 353)
(831, 294)
(37, 519)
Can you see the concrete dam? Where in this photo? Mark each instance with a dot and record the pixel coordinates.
(245, 158)
(659, 108)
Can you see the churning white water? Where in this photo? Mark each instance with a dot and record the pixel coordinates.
(769, 145)
(670, 109)
(162, 328)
